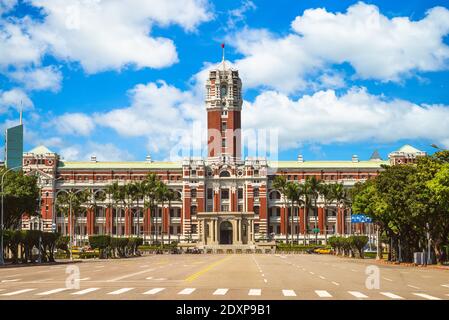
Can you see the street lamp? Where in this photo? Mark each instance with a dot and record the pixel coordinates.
(2, 261)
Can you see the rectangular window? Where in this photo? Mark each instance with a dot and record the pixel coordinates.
(240, 193)
(225, 194)
(225, 208)
(210, 194)
(193, 193)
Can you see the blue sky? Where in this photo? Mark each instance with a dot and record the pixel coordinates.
(115, 80)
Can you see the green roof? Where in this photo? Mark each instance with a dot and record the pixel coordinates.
(327, 164)
(118, 165)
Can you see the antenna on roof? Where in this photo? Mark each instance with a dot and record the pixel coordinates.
(21, 111)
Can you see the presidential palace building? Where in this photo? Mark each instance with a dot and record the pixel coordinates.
(223, 199)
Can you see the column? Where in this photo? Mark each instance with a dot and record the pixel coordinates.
(321, 219)
(216, 200)
(283, 225)
(302, 226)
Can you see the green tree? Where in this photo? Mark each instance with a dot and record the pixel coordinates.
(20, 196)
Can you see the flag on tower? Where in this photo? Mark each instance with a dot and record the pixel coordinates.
(223, 45)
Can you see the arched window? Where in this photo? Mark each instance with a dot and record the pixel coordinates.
(275, 195)
(225, 174)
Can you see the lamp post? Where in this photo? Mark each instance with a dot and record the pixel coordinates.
(2, 261)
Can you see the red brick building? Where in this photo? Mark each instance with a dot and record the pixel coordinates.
(223, 198)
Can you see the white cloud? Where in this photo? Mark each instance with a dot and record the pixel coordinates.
(17, 46)
(237, 15)
(73, 124)
(104, 35)
(7, 5)
(103, 152)
(156, 111)
(46, 78)
(355, 116)
(376, 46)
(14, 98)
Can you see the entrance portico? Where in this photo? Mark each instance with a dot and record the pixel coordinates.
(226, 228)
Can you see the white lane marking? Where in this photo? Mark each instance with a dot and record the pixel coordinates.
(186, 291)
(149, 278)
(83, 279)
(445, 285)
(10, 280)
(336, 283)
(129, 275)
(409, 285)
(85, 291)
(254, 292)
(391, 295)
(289, 293)
(426, 296)
(265, 280)
(120, 291)
(160, 279)
(154, 291)
(387, 279)
(11, 275)
(17, 292)
(323, 294)
(220, 292)
(144, 266)
(312, 272)
(47, 293)
(321, 277)
(353, 270)
(357, 294)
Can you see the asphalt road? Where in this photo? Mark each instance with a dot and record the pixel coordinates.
(235, 276)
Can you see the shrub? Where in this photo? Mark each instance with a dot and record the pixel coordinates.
(102, 243)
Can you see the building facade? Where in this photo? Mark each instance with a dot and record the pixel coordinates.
(223, 199)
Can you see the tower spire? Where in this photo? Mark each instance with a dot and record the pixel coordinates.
(223, 56)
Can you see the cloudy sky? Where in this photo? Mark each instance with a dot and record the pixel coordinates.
(123, 79)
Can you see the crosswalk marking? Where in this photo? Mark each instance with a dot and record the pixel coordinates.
(323, 294)
(17, 292)
(391, 295)
(254, 292)
(426, 296)
(120, 291)
(47, 293)
(289, 293)
(220, 292)
(85, 291)
(154, 291)
(357, 294)
(186, 291)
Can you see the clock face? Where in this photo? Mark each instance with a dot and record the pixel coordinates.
(223, 91)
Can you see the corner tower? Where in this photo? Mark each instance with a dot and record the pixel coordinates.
(224, 106)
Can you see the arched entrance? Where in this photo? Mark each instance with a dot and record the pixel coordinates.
(225, 232)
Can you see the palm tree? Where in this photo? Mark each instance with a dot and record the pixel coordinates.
(293, 193)
(139, 193)
(306, 194)
(341, 197)
(170, 197)
(161, 197)
(113, 191)
(149, 188)
(280, 184)
(315, 186)
(327, 192)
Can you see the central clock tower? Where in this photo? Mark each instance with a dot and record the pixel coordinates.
(224, 106)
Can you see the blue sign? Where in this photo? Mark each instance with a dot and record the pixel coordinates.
(361, 218)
